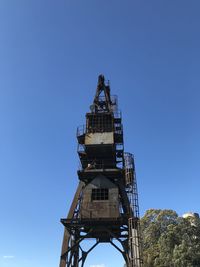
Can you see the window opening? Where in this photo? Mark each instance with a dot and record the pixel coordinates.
(99, 194)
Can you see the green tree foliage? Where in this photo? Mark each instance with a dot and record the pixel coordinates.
(169, 240)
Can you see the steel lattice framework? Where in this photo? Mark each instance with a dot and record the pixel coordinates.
(105, 206)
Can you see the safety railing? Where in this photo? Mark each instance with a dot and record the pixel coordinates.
(114, 101)
(117, 114)
(129, 168)
(131, 183)
(82, 129)
(97, 164)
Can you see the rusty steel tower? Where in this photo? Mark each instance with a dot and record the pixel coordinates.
(105, 206)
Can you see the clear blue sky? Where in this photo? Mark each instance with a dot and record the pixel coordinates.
(51, 53)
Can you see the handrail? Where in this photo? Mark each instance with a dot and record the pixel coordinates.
(98, 164)
(81, 130)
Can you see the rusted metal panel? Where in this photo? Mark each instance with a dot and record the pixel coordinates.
(100, 208)
(99, 138)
